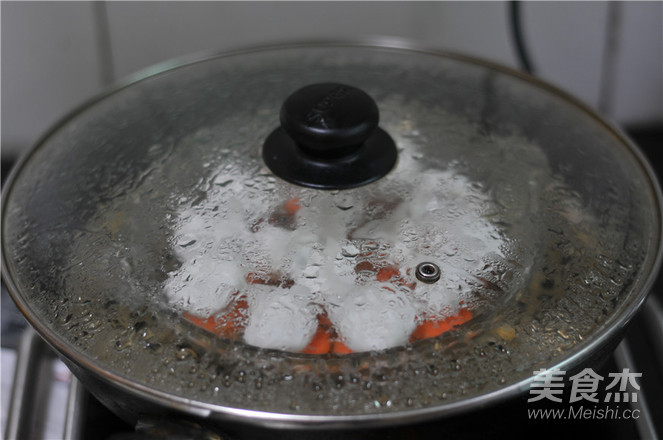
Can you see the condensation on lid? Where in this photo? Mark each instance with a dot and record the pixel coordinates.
(146, 234)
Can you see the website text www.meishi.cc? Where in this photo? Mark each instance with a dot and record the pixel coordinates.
(583, 413)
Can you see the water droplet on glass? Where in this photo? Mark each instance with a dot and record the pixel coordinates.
(187, 243)
(344, 202)
(185, 353)
(311, 272)
(350, 250)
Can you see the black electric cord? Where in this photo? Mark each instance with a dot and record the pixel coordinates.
(517, 36)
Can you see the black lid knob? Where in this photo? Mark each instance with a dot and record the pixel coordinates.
(329, 138)
(329, 119)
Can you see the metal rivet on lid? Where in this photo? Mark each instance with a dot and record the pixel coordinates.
(428, 272)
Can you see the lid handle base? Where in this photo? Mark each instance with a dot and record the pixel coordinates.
(329, 139)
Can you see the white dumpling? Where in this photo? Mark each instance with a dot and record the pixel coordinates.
(279, 319)
(207, 287)
(374, 319)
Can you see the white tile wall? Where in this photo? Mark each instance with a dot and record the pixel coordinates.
(566, 44)
(49, 64)
(638, 96)
(51, 59)
(144, 33)
(472, 27)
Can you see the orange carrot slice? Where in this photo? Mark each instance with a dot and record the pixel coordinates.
(386, 273)
(291, 206)
(208, 323)
(325, 340)
(432, 328)
(230, 324)
(340, 348)
(284, 215)
(320, 344)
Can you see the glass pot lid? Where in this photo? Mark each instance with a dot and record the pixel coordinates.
(154, 235)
